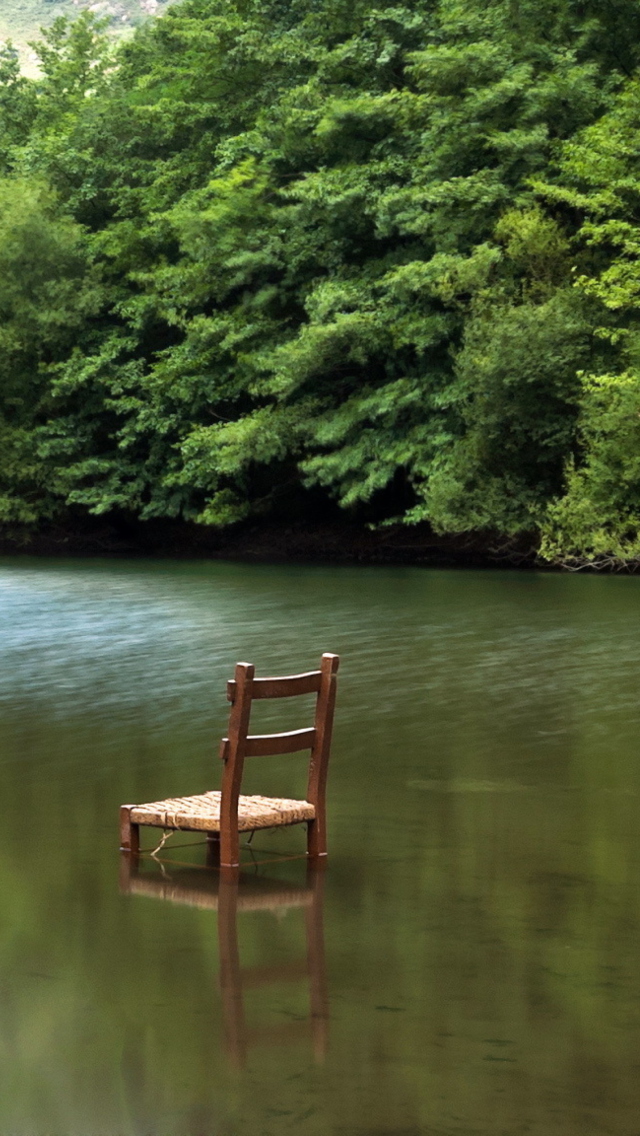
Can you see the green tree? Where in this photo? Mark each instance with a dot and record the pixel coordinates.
(597, 519)
(320, 256)
(46, 295)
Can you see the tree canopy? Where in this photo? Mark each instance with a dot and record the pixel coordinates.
(386, 252)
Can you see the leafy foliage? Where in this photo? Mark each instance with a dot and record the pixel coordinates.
(370, 250)
(597, 519)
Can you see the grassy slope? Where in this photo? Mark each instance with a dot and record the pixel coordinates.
(20, 20)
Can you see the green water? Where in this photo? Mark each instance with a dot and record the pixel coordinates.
(481, 905)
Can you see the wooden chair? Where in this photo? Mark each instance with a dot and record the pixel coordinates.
(230, 895)
(224, 814)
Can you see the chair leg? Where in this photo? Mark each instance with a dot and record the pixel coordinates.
(229, 847)
(129, 832)
(316, 837)
(213, 849)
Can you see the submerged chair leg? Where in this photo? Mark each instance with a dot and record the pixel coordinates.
(213, 849)
(318, 989)
(129, 832)
(317, 837)
(235, 1031)
(229, 848)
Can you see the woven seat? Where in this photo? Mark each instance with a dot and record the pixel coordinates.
(202, 813)
(225, 813)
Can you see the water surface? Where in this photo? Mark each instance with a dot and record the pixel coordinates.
(470, 961)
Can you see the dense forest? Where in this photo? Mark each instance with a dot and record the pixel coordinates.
(386, 256)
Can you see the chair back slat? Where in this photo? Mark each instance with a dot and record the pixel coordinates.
(292, 741)
(286, 687)
(265, 745)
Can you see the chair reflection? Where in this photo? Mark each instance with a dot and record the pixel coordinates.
(229, 895)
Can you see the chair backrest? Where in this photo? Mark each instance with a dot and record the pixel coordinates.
(241, 691)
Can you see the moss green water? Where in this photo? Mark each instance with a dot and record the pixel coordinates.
(482, 900)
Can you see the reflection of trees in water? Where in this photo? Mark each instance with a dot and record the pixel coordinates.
(482, 915)
(509, 957)
(493, 977)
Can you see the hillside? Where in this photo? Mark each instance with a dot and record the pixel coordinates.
(20, 20)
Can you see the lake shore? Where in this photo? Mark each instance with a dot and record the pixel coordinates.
(332, 542)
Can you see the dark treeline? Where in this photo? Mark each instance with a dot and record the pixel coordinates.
(385, 255)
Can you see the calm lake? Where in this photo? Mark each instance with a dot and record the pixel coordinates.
(468, 963)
